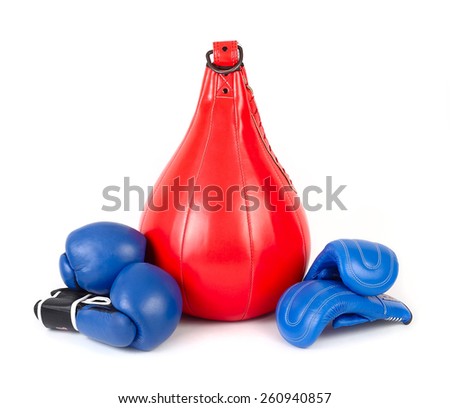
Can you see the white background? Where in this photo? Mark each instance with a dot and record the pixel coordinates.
(94, 91)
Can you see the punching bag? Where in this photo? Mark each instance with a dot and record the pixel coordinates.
(224, 218)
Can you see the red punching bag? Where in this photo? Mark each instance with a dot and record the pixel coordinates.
(224, 219)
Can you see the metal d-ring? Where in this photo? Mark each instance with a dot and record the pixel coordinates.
(222, 70)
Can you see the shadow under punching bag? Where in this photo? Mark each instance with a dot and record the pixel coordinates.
(224, 219)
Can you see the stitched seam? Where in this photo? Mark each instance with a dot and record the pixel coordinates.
(232, 46)
(363, 258)
(323, 304)
(188, 210)
(382, 304)
(234, 52)
(300, 317)
(223, 79)
(216, 54)
(249, 223)
(358, 279)
(281, 183)
(276, 170)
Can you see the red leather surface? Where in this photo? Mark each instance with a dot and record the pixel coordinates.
(225, 53)
(232, 263)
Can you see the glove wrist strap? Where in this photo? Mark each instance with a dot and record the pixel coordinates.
(60, 310)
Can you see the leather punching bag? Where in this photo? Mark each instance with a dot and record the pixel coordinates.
(224, 219)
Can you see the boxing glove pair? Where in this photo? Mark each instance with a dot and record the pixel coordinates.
(345, 285)
(113, 296)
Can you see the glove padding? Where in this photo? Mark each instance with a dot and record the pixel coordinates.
(96, 253)
(306, 308)
(143, 309)
(365, 267)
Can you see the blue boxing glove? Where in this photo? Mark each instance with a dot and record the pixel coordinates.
(142, 311)
(96, 253)
(365, 267)
(306, 308)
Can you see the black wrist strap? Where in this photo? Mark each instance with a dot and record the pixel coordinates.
(60, 310)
